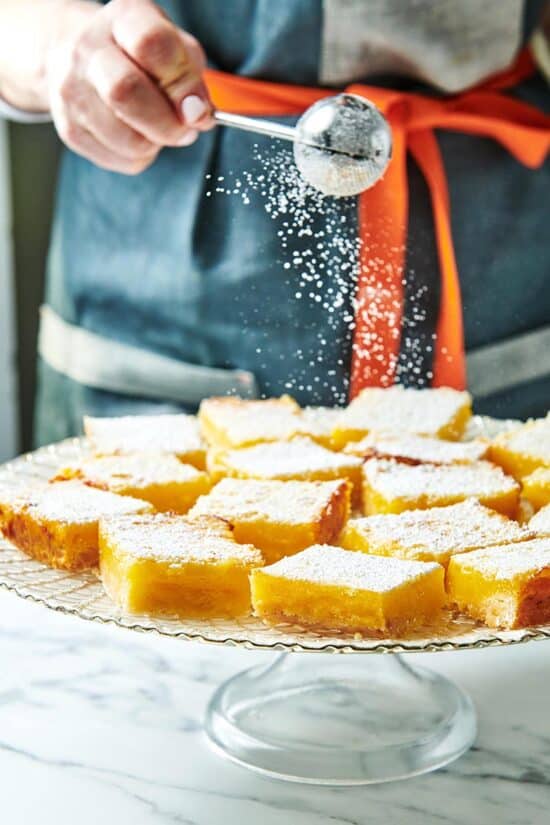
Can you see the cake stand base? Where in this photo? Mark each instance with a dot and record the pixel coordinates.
(340, 720)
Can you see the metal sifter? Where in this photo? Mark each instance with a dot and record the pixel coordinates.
(342, 144)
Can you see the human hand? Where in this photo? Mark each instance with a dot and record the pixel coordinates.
(124, 81)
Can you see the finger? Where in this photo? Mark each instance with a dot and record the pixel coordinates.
(133, 97)
(196, 112)
(77, 138)
(170, 56)
(154, 43)
(92, 113)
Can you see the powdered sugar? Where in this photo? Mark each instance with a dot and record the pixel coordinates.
(540, 522)
(285, 459)
(323, 564)
(135, 470)
(508, 561)
(72, 502)
(439, 531)
(417, 448)
(424, 412)
(176, 434)
(394, 480)
(235, 422)
(533, 439)
(322, 258)
(286, 502)
(177, 540)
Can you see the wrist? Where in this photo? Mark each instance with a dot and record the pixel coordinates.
(32, 32)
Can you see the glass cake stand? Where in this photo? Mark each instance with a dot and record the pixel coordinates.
(338, 719)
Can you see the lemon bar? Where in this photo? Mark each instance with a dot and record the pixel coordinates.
(160, 479)
(391, 487)
(299, 460)
(318, 423)
(441, 413)
(524, 449)
(234, 422)
(175, 434)
(279, 517)
(432, 535)
(328, 587)
(417, 449)
(173, 565)
(57, 523)
(536, 487)
(506, 586)
(540, 522)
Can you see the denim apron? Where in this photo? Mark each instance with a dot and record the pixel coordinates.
(152, 263)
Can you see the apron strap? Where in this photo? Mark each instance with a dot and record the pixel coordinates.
(106, 364)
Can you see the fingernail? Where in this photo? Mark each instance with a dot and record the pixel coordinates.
(189, 137)
(193, 108)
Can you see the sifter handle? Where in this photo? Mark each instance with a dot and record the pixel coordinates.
(252, 124)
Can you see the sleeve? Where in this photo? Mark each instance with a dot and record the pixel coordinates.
(8, 112)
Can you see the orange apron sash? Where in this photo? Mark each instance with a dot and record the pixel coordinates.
(383, 210)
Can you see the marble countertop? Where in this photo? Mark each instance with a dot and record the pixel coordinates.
(101, 725)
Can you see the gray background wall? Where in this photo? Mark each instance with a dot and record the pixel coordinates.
(34, 153)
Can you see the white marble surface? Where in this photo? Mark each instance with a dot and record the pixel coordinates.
(101, 726)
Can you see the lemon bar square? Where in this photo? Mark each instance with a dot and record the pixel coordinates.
(298, 460)
(279, 517)
(57, 523)
(161, 479)
(391, 487)
(318, 423)
(175, 434)
(540, 522)
(417, 449)
(432, 535)
(328, 587)
(234, 422)
(506, 586)
(524, 449)
(441, 413)
(536, 487)
(173, 565)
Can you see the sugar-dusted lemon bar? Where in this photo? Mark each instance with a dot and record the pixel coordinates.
(391, 487)
(175, 434)
(57, 523)
(168, 564)
(524, 449)
(328, 587)
(442, 413)
(234, 422)
(506, 586)
(160, 479)
(318, 423)
(432, 535)
(540, 522)
(417, 449)
(536, 487)
(279, 517)
(300, 459)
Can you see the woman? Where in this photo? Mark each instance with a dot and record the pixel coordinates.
(158, 295)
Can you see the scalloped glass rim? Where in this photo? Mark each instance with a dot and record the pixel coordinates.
(81, 594)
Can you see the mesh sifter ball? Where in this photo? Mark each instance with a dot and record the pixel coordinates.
(343, 145)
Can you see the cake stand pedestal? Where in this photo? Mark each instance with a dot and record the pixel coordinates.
(340, 720)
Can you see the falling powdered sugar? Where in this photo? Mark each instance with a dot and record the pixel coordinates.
(322, 258)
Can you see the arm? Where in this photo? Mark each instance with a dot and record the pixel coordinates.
(27, 30)
(120, 80)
